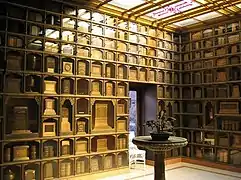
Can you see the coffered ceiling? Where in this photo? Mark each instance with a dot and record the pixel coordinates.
(172, 14)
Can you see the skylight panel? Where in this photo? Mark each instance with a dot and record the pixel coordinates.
(186, 22)
(126, 4)
(208, 16)
(173, 9)
(238, 5)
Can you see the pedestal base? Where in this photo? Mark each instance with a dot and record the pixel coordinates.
(159, 166)
(159, 148)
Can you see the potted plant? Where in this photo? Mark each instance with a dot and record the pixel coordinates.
(162, 128)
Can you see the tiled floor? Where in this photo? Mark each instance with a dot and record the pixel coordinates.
(187, 173)
(179, 171)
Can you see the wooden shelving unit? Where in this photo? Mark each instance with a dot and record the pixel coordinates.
(211, 85)
(64, 81)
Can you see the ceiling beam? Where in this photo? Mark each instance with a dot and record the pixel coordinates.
(210, 2)
(103, 3)
(155, 7)
(199, 11)
(158, 21)
(136, 7)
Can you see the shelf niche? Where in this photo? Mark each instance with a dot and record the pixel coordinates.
(97, 88)
(82, 125)
(66, 167)
(122, 72)
(122, 57)
(32, 84)
(83, 26)
(97, 69)
(31, 171)
(97, 41)
(186, 93)
(83, 106)
(152, 75)
(143, 74)
(66, 117)
(176, 107)
(160, 76)
(102, 116)
(197, 93)
(133, 73)
(97, 53)
(12, 170)
(83, 39)
(50, 148)
(22, 119)
(122, 107)
(81, 146)
(132, 59)
(67, 86)
(122, 141)
(109, 161)
(82, 87)
(122, 159)
(66, 147)
(83, 68)
(110, 88)
(50, 169)
(176, 92)
(34, 62)
(13, 83)
(96, 163)
(109, 55)
(15, 41)
(83, 51)
(168, 92)
(193, 107)
(122, 124)
(209, 116)
(103, 143)
(82, 165)
(15, 60)
(51, 64)
(110, 70)
(160, 91)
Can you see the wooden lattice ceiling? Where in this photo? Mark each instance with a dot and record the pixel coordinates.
(171, 14)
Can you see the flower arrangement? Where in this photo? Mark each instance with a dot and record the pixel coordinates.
(162, 126)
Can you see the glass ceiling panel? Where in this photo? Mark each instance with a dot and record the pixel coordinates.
(208, 16)
(186, 22)
(179, 8)
(126, 4)
(239, 5)
(175, 8)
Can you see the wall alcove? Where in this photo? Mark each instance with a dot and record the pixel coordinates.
(102, 115)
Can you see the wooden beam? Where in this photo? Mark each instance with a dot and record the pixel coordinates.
(159, 5)
(182, 13)
(136, 7)
(103, 3)
(198, 12)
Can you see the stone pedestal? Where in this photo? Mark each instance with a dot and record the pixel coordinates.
(159, 148)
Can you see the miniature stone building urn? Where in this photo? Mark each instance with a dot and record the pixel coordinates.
(162, 127)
